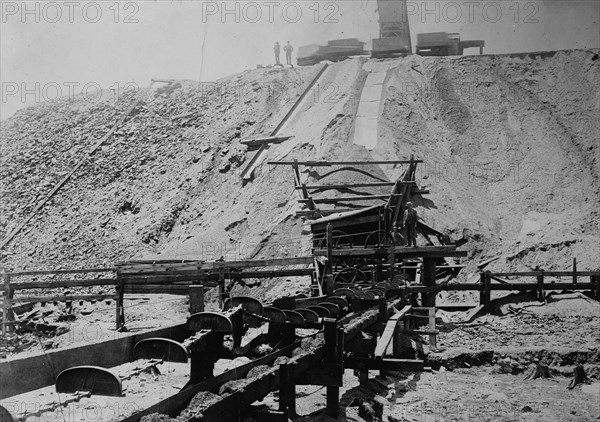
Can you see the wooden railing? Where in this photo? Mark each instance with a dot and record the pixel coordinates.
(142, 277)
(496, 282)
(176, 277)
(15, 281)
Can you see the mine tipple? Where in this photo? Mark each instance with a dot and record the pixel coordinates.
(394, 40)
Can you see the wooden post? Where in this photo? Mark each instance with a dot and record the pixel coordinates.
(596, 286)
(6, 303)
(10, 314)
(540, 287)
(428, 299)
(221, 288)
(432, 337)
(383, 316)
(482, 291)
(328, 276)
(204, 356)
(392, 271)
(363, 376)
(120, 302)
(287, 391)
(401, 342)
(400, 327)
(196, 299)
(374, 275)
(574, 270)
(485, 295)
(330, 356)
(329, 241)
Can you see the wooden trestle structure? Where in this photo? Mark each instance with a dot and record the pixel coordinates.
(364, 280)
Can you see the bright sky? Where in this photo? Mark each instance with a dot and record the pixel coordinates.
(50, 48)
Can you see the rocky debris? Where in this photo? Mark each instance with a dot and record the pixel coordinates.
(523, 328)
(281, 360)
(509, 366)
(158, 153)
(231, 387)
(369, 409)
(227, 365)
(262, 350)
(201, 401)
(257, 371)
(156, 417)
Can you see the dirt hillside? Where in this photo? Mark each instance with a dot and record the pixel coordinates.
(510, 145)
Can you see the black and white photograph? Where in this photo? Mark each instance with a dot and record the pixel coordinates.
(300, 211)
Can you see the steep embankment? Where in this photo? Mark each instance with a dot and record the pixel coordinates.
(510, 147)
(179, 144)
(511, 150)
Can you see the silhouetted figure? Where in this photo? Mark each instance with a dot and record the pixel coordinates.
(277, 49)
(410, 224)
(288, 53)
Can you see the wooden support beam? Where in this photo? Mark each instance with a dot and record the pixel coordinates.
(390, 364)
(432, 330)
(154, 266)
(485, 295)
(156, 288)
(309, 301)
(428, 279)
(120, 303)
(196, 299)
(63, 283)
(353, 185)
(73, 271)
(319, 213)
(540, 288)
(400, 252)
(328, 276)
(221, 293)
(5, 304)
(261, 415)
(342, 163)
(59, 298)
(203, 356)
(546, 273)
(390, 331)
(287, 390)
(498, 287)
(257, 142)
(500, 280)
(330, 355)
(187, 278)
(345, 199)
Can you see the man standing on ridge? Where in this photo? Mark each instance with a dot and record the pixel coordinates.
(288, 53)
(410, 224)
(276, 49)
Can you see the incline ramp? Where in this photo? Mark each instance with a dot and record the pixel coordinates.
(248, 172)
(367, 116)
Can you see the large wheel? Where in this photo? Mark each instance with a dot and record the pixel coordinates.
(350, 276)
(343, 262)
(340, 240)
(379, 239)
